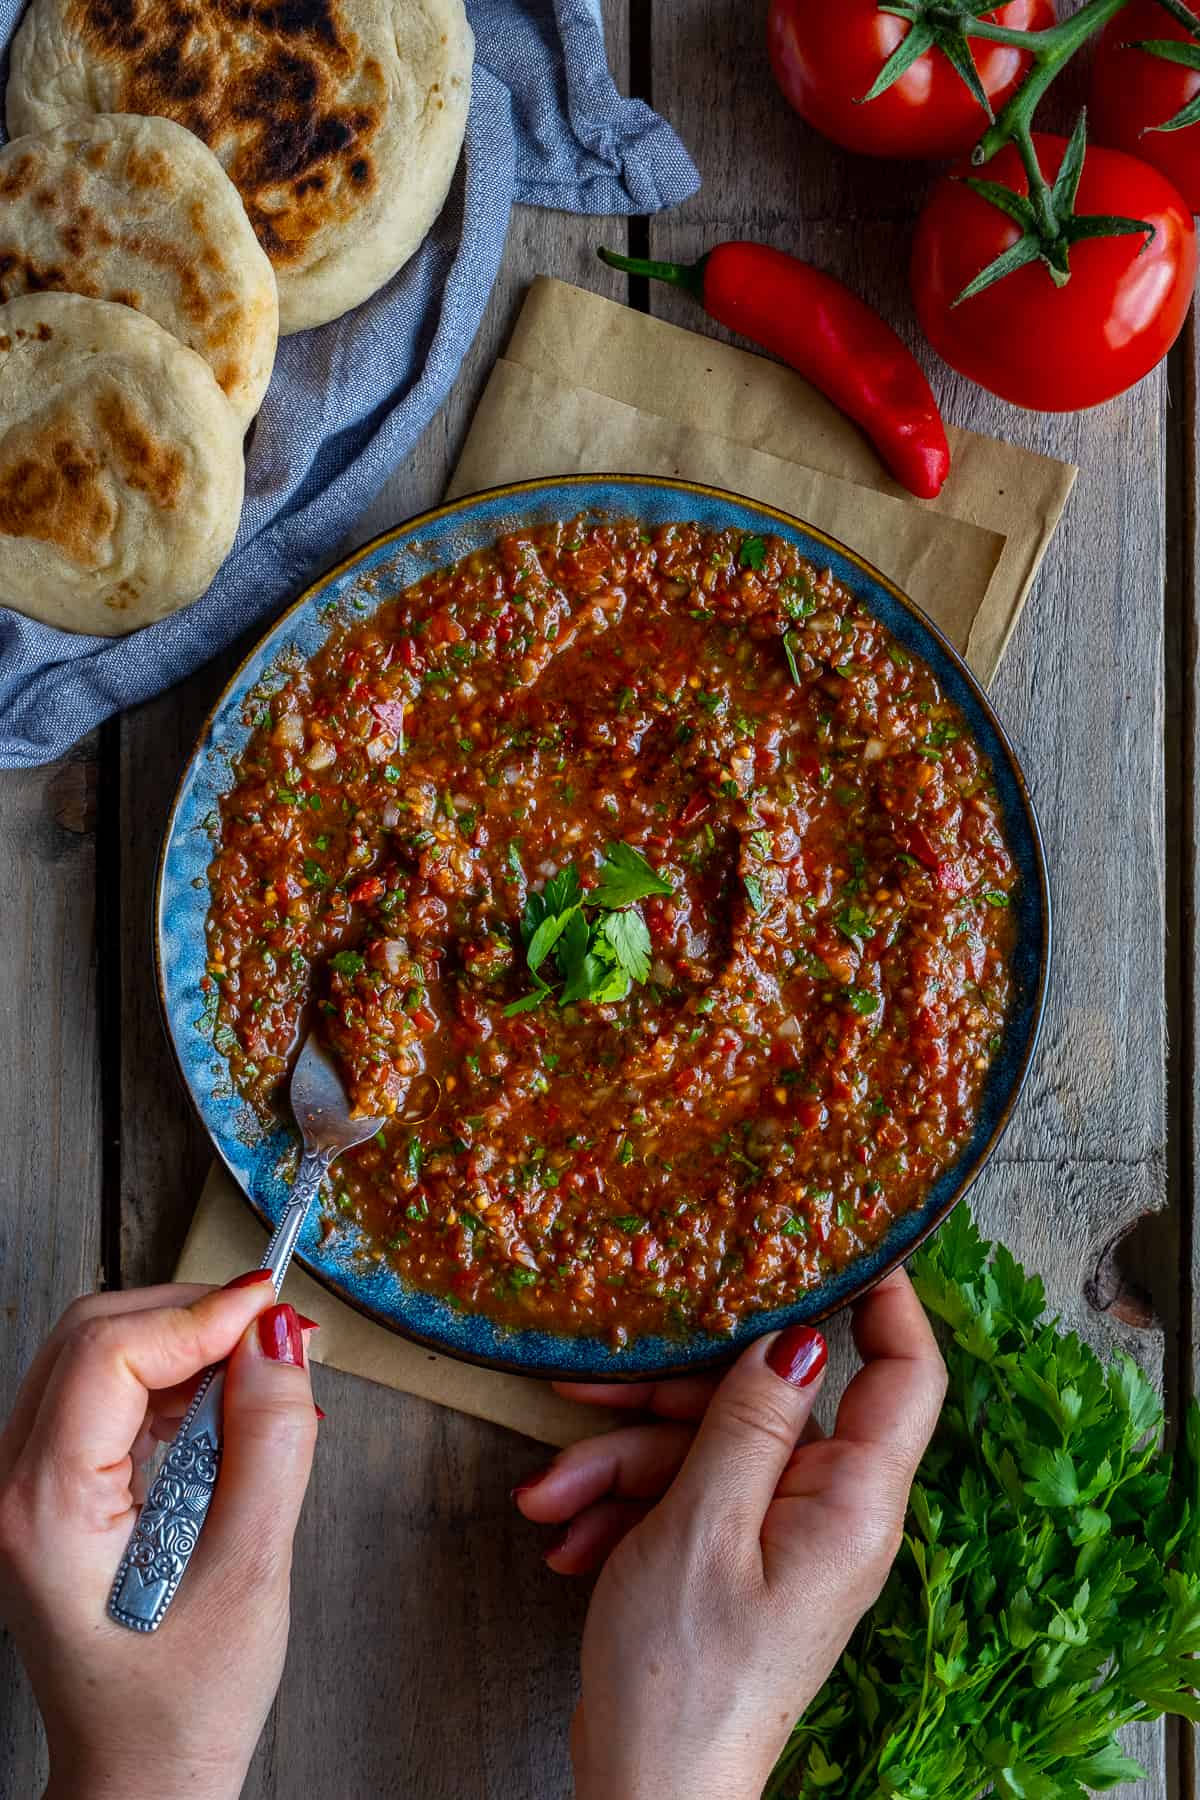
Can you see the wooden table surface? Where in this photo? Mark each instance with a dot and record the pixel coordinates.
(432, 1654)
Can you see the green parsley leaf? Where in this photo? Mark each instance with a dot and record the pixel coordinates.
(597, 960)
(347, 962)
(625, 876)
(628, 936)
(754, 892)
(862, 1000)
(546, 936)
(854, 923)
(801, 603)
(535, 910)
(527, 1002)
(1047, 1590)
(753, 553)
(587, 975)
(563, 891)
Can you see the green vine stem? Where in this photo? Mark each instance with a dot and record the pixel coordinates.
(1051, 50)
(1045, 215)
(1048, 222)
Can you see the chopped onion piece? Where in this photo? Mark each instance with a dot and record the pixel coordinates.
(289, 732)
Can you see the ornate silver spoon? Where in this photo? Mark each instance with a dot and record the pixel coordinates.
(175, 1508)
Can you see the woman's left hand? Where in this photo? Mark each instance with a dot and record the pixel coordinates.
(740, 1548)
(127, 1715)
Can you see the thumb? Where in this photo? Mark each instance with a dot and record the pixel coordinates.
(752, 1427)
(270, 1430)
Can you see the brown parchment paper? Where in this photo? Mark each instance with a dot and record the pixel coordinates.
(590, 386)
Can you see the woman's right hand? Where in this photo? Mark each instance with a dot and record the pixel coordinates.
(131, 1717)
(742, 1549)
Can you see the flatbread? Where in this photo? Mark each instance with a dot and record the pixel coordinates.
(339, 121)
(139, 211)
(120, 466)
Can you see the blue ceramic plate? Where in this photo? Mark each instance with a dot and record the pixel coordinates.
(259, 1158)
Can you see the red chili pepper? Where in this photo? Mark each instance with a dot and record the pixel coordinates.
(835, 340)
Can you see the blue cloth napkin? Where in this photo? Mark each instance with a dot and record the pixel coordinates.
(348, 401)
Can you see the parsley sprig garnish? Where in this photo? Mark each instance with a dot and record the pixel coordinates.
(1047, 1591)
(598, 941)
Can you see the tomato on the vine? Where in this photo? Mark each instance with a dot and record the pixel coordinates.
(1025, 337)
(827, 57)
(1134, 91)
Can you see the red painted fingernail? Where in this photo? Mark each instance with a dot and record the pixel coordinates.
(318, 1410)
(798, 1355)
(558, 1544)
(307, 1324)
(249, 1278)
(279, 1335)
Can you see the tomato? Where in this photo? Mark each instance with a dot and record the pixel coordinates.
(827, 57)
(1031, 342)
(1132, 92)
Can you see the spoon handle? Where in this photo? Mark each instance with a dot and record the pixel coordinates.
(168, 1526)
(172, 1513)
(309, 1176)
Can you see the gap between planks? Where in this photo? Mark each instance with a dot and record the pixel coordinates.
(109, 985)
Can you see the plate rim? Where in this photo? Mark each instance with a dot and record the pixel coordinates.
(506, 490)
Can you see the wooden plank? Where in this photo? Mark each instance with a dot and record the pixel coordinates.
(431, 1653)
(1080, 688)
(50, 1246)
(164, 1151)
(1183, 750)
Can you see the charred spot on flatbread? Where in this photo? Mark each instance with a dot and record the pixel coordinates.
(280, 92)
(54, 491)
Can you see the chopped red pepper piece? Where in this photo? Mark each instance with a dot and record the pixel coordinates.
(951, 878)
(370, 889)
(696, 807)
(390, 713)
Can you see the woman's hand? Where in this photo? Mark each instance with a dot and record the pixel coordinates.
(180, 1712)
(741, 1552)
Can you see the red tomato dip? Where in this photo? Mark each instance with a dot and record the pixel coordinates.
(663, 880)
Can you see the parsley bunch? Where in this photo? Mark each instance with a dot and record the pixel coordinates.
(1048, 1588)
(599, 941)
